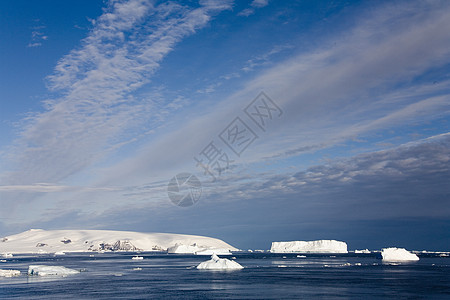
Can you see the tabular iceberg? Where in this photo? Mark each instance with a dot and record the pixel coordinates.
(398, 254)
(320, 246)
(216, 263)
(41, 270)
(9, 273)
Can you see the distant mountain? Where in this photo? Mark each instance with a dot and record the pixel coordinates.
(52, 241)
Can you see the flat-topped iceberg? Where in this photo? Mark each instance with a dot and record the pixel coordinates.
(41, 270)
(320, 246)
(9, 273)
(216, 263)
(398, 254)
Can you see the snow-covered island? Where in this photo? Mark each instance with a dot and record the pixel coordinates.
(62, 241)
(320, 246)
(217, 263)
(397, 255)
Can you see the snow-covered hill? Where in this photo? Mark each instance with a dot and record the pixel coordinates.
(51, 241)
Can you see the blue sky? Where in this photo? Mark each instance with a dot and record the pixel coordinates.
(103, 102)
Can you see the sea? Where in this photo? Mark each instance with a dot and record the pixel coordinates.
(265, 276)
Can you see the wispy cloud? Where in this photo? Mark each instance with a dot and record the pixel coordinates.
(48, 188)
(251, 10)
(94, 82)
(37, 36)
(362, 83)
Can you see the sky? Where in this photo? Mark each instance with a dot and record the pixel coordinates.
(298, 120)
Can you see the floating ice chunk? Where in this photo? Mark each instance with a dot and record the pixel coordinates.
(7, 255)
(9, 273)
(216, 263)
(41, 270)
(365, 251)
(137, 257)
(398, 254)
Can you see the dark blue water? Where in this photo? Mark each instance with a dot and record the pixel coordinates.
(266, 276)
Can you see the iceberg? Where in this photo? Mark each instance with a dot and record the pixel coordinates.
(9, 273)
(365, 251)
(398, 254)
(41, 270)
(216, 263)
(320, 246)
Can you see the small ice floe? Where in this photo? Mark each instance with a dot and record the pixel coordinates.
(301, 256)
(398, 254)
(7, 255)
(91, 255)
(42, 270)
(216, 263)
(365, 251)
(137, 269)
(137, 257)
(3, 260)
(358, 264)
(284, 257)
(9, 273)
(443, 255)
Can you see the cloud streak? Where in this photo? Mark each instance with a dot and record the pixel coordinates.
(94, 84)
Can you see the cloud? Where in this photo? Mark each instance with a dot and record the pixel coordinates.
(37, 36)
(358, 80)
(48, 188)
(259, 3)
(330, 95)
(251, 10)
(93, 105)
(406, 184)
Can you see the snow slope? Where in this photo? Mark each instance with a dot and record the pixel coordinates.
(398, 254)
(320, 246)
(198, 250)
(52, 241)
